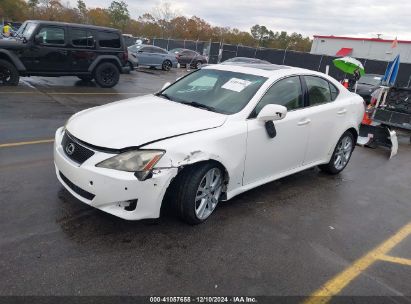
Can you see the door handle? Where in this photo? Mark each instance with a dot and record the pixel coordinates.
(63, 52)
(304, 122)
(342, 112)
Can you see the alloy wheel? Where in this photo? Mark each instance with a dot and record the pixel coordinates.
(343, 153)
(108, 76)
(208, 193)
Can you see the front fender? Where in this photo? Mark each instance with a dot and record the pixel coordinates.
(14, 59)
(226, 145)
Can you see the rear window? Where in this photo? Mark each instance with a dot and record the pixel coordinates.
(82, 38)
(109, 40)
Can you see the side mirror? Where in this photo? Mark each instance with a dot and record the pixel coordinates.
(140, 51)
(38, 39)
(272, 112)
(166, 85)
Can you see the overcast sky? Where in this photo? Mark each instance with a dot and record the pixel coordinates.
(359, 18)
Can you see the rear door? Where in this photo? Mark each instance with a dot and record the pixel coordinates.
(51, 55)
(157, 55)
(186, 57)
(328, 116)
(82, 48)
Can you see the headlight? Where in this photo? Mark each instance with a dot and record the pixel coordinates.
(139, 161)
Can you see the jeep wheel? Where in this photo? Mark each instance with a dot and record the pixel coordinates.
(86, 78)
(8, 74)
(107, 75)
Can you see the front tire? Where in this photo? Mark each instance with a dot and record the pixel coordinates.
(341, 155)
(198, 65)
(199, 191)
(9, 76)
(107, 75)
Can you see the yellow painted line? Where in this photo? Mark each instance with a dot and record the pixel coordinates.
(72, 93)
(23, 143)
(336, 284)
(397, 260)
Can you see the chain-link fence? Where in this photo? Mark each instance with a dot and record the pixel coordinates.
(312, 61)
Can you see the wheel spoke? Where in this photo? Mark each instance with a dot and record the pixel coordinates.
(200, 196)
(200, 210)
(216, 182)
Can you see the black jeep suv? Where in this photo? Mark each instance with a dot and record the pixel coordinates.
(45, 48)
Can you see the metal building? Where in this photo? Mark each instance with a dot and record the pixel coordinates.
(368, 48)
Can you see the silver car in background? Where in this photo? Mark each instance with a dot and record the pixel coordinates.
(153, 56)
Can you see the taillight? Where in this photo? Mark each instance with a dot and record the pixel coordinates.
(125, 56)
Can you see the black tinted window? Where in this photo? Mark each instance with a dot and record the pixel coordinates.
(318, 90)
(286, 92)
(82, 38)
(109, 40)
(52, 35)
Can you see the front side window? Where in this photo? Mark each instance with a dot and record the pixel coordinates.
(286, 92)
(221, 91)
(82, 38)
(109, 40)
(318, 90)
(26, 30)
(52, 35)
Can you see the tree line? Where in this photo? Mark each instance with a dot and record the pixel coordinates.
(162, 22)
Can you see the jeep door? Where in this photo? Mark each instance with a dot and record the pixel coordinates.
(49, 50)
(82, 44)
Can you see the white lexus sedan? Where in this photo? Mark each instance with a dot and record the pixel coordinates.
(210, 136)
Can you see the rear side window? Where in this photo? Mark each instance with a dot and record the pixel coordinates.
(318, 90)
(82, 38)
(334, 91)
(109, 40)
(52, 35)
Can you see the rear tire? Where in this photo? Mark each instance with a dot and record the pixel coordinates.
(107, 75)
(341, 155)
(198, 191)
(166, 66)
(9, 76)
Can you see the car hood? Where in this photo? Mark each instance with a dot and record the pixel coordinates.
(11, 44)
(138, 121)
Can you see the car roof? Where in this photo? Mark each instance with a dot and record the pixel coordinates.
(265, 70)
(147, 45)
(74, 25)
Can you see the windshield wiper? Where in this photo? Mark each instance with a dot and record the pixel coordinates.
(163, 95)
(199, 105)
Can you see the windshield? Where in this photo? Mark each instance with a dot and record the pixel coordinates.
(219, 91)
(26, 30)
(370, 79)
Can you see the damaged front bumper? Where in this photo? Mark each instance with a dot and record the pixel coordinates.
(116, 192)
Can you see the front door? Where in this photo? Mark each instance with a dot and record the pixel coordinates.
(51, 54)
(270, 157)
